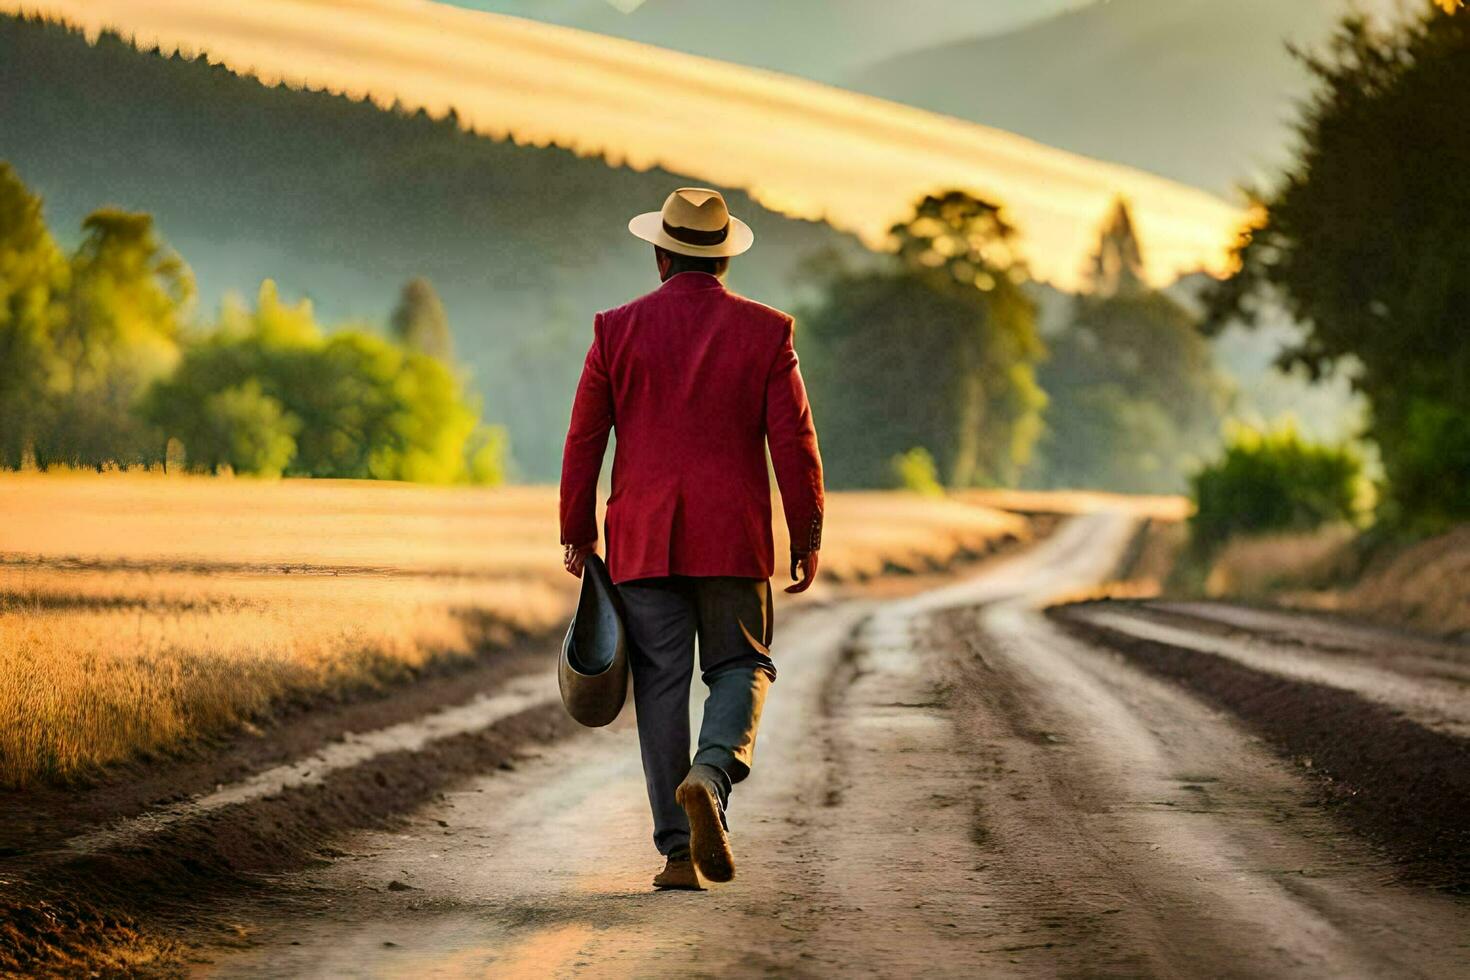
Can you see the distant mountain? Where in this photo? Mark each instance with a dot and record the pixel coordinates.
(824, 40)
(803, 149)
(1201, 91)
(342, 202)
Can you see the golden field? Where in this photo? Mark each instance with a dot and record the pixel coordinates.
(139, 612)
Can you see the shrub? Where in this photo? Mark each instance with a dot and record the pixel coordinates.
(246, 429)
(1272, 481)
(916, 471)
(268, 393)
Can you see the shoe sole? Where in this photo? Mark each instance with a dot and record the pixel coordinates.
(678, 888)
(709, 845)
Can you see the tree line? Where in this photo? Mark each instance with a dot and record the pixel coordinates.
(930, 366)
(1366, 240)
(933, 369)
(253, 181)
(927, 367)
(101, 364)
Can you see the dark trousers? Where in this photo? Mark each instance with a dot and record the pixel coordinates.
(732, 619)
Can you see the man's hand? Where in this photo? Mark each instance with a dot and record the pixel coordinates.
(808, 565)
(575, 556)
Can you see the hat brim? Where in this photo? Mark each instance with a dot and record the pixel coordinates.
(650, 228)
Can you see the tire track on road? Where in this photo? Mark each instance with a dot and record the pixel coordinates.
(1438, 704)
(946, 785)
(1402, 784)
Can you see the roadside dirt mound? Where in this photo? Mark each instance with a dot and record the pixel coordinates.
(1264, 565)
(89, 911)
(38, 818)
(119, 909)
(1426, 586)
(1402, 786)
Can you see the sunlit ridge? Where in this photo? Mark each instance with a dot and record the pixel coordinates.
(802, 148)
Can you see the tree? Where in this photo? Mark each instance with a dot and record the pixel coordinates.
(124, 310)
(245, 429)
(1117, 265)
(297, 402)
(1363, 240)
(488, 453)
(419, 322)
(935, 352)
(1135, 402)
(32, 278)
(96, 367)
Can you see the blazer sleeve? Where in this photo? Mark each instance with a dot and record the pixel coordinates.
(794, 454)
(581, 462)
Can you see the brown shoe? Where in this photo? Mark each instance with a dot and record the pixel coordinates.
(709, 845)
(678, 875)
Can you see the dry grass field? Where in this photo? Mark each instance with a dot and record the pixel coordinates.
(139, 612)
(1424, 586)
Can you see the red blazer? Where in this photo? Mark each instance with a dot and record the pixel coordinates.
(696, 380)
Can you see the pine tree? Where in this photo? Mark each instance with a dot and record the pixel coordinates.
(1116, 267)
(419, 322)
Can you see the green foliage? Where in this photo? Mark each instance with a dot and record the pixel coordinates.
(937, 351)
(1272, 482)
(97, 368)
(1428, 470)
(348, 405)
(81, 339)
(1364, 240)
(32, 280)
(127, 298)
(515, 237)
(419, 322)
(245, 429)
(1135, 400)
(487, 453)
(916, 472)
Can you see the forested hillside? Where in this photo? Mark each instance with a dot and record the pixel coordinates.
(1198, 90)
(342, 202)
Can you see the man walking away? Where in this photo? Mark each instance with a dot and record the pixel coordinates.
(697, 381)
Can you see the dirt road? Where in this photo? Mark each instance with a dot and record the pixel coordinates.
(950, 784)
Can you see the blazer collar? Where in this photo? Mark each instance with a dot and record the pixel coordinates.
(689, 281)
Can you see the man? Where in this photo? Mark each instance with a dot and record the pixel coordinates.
(696, 380)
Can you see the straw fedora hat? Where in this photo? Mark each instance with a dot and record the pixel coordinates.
(694, 221)
(592, 671)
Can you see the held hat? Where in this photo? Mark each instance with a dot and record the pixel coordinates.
(694, 221)
(593, 669)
